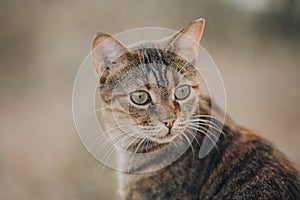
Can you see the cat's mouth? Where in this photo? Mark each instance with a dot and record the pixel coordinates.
(164, 138)
(153, 143)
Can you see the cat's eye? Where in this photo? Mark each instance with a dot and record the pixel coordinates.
(182, 92)
(140, 97)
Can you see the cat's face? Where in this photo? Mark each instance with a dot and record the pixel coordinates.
(155, 98)
(152, 92)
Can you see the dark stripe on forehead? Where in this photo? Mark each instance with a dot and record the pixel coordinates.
(157, 71)
(154, 72)
(151, 60)
(161, 60)
(159, 67)
(156, 56)
(165, 74)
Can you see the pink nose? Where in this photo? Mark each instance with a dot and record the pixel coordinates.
(169, 122)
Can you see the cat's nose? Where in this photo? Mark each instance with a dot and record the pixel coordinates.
(169, 123)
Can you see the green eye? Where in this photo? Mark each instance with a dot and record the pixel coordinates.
(140, 97)
(182, 92)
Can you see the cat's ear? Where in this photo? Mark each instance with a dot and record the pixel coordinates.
(105, 49)
(186, 42)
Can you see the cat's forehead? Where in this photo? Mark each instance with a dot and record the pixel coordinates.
(147, 68)
(153, 69)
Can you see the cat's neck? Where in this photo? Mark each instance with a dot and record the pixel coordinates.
(192, 170)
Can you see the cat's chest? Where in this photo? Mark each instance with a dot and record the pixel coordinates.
(126, 182)
(180, 180)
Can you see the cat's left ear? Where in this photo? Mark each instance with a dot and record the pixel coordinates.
(186, 42)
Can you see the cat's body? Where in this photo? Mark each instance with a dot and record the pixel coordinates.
(243, 166)
(153, 91)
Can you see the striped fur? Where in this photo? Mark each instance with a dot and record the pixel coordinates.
(245, 166)
(242, 165)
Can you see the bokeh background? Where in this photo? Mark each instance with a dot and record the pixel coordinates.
(256, 45)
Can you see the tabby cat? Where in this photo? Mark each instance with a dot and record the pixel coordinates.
(153, 89)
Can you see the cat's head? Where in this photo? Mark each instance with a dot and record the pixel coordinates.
(151, 88)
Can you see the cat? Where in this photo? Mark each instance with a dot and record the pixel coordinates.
(153, 90)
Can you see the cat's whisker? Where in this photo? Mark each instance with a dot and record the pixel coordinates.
(208, 134)
(124, 130)
(209, 124)
(126, 138)
(110, 138)
(116, 135)
(197, 127)
(125, 112)
(96, 141)
(131, 143)
(119, 127)
(204, 120)
(212, 117)
(144, 143)
(116, 127)
(113, 147)
(117, 145)
(190, 143)
(135, 151)
(131, 131)
(113, 143)
(148, 144)
(92, 112)
(213, 127)
(194, 136)
(127, 128)
(145, 146)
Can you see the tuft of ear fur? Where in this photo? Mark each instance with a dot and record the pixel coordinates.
(105, 49)
(186, 42)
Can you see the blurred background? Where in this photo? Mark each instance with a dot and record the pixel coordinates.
(256, 45)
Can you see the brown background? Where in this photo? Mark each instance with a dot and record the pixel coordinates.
(42, 44)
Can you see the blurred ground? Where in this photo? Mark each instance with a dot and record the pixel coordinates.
(42, 44)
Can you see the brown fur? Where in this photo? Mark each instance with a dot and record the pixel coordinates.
(242, 165)
(245, 166)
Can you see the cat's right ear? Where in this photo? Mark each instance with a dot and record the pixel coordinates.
(186, 42)
(105, 49)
